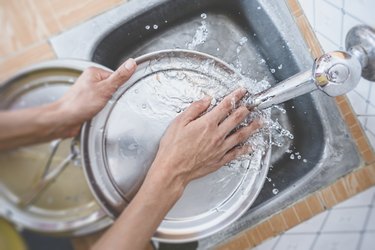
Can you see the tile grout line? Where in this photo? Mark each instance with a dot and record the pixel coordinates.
(276, 242)
(320, 229)
(342, 46)
(314, 13)
(359, 244)
(368, 104)
(329, 39)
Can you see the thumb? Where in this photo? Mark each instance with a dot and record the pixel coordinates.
(122, 74)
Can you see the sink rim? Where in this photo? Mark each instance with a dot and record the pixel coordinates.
(327, 172)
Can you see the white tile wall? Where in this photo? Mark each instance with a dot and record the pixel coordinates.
(349, 225)
(331, 21)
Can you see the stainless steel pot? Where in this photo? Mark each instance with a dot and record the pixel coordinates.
(120, 143)
(65, 206)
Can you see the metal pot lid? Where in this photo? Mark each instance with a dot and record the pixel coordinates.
(121, 142)
(66, 206)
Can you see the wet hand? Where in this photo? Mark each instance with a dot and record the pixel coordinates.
(90, 93)
(196, 144)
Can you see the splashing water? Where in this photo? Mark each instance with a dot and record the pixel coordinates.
(201, 34)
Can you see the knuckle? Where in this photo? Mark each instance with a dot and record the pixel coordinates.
(90, 70)
(238, 116)
(198, 104)
(241, 135)
(227, 105)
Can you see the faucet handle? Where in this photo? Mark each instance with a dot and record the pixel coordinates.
(360, 42)
(337, 72)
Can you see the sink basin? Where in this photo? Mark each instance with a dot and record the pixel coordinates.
(261, 40)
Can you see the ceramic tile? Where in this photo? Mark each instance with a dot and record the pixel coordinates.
(326, 44)
(346, 220)
(295, 242)
(371, 220)
(312, 225)
(362, 9)
(268, 244)
(370, 122)
(308, 8)
(368, 241)
(70, 12)
(35, 54)
(337, 241)
(362, 199)
(47, 13)
(337, 3)
(348, 23)
(371, 138)
(363, 88)
(328, 20)
(372, 95)
(357, 101)
(21, 26)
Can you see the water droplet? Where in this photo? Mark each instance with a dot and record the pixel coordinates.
(259, 8)
(280, 66)
(204, 15)
(166, 21)
(304, 160)
(272, 71)
(299, 157)
(217, 49)
(144, 106)
(147, 27)
(136, 91)
(275, 191)
(155, 27)
(292, 156)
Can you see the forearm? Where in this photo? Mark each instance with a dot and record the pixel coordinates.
(139, 221)
(32, 125)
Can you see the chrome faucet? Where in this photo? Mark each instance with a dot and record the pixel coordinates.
(335, 73)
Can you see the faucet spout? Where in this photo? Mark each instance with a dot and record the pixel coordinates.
(297, 85)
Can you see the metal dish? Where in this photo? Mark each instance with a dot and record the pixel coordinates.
(120, 144)
(66, 206)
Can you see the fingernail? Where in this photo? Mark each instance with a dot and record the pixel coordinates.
(130, 64)
(243, 90)
(207, 98)
(260, 122)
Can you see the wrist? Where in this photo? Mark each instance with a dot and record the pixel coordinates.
(162, 181)
(55, 122)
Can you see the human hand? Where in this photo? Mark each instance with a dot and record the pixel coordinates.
(195, 145)
(90, 93)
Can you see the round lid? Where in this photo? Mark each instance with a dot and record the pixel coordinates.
(121, 142)
(65, 206)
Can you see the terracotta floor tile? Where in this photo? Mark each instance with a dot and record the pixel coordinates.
(70, 12)
(40, 52)
(21, 26)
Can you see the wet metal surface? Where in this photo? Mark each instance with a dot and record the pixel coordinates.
(273, 50)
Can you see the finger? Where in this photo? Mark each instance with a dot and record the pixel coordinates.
(242, 134)
(96, 74)
(233, 120)
(103, 74)
(221, 111)
(195, 110)
(234, 153)
(122, 74)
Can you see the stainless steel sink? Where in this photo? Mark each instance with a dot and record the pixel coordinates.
(261, 38)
